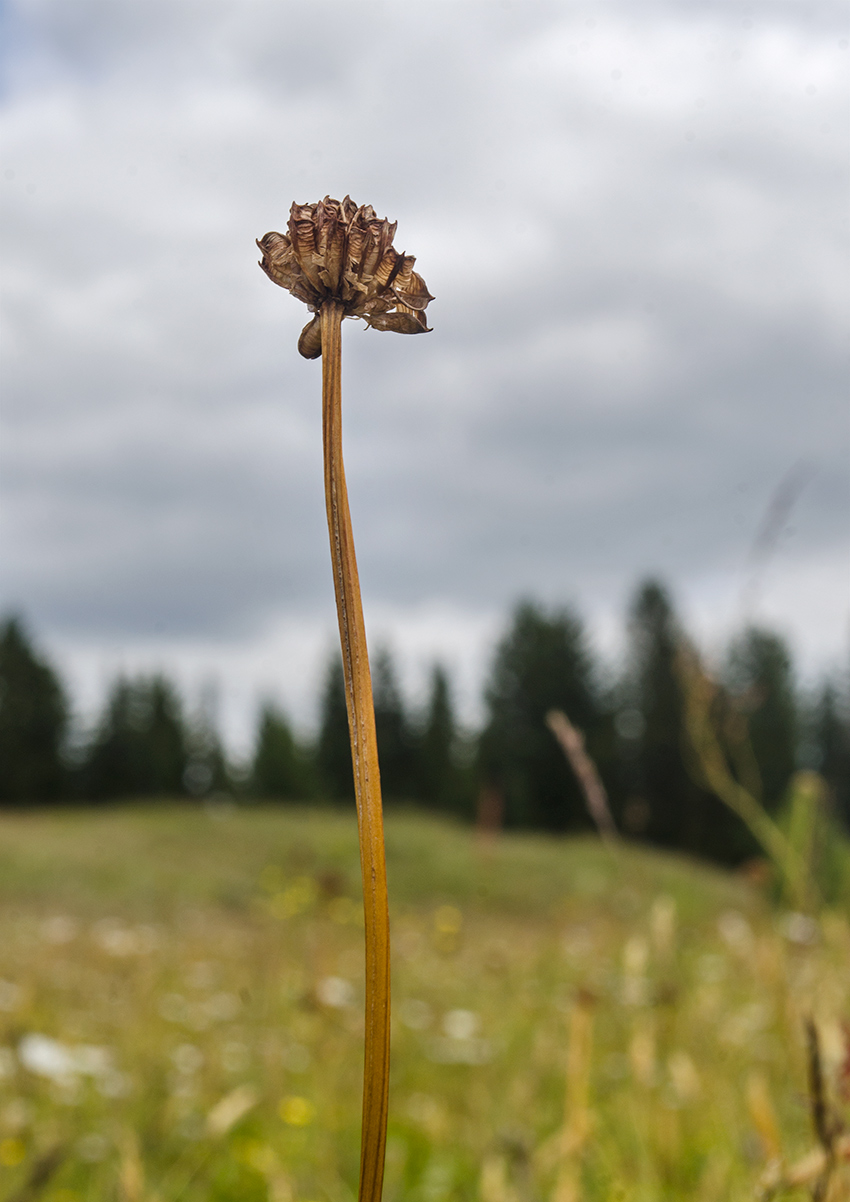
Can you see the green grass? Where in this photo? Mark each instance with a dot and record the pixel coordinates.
(217, 955)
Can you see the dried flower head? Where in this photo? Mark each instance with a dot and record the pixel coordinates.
(335, 250)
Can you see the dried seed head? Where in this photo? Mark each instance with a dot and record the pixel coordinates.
(335, 250)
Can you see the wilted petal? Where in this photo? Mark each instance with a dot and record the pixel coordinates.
(376, 302)
(330, 242)
(413, 293)
(278, 261)
(302, 235)
(310, 340)
(379, 240)
(322, 219)
(405, 271)
(388, 268)
(334, 256)
(304, 291)
(404, 321)
(358, 237)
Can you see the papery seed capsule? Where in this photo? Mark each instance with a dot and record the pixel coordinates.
(338, 251)
(310, 340)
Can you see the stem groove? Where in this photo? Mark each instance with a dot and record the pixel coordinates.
(364, 754)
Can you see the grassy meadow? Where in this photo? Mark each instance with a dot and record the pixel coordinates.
(181, 1014)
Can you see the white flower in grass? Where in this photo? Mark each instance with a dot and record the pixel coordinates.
(461, 1024)
(335, 992)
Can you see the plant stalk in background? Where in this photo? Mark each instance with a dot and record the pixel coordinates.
(339, 259)
(572, 744)
(712, 768)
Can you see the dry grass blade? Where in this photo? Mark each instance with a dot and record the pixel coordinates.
(827, 1126)
(364, 749)
(820, 1108)
(131, 1172)
(712, 769)
(572, 744)
(564, 1149)
(808, 1173)
(763, 1116)
(825, 1171)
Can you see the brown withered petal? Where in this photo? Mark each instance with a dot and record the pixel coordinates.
(337, 250)
(310, 339)
(405, 321)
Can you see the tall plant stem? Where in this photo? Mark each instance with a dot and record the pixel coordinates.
(364, 753)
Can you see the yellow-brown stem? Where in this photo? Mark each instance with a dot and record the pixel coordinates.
(364, 753)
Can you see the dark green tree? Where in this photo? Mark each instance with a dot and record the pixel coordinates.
(831, 738)
(33, 721)
(662, 788)
(140, 747)
(395, 742)
(651, 723)
(207, 770)
(760, 679)
(439, 778)
(542, 663)
(281, 768)
(333, 749)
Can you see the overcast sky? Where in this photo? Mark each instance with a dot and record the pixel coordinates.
(633, 217)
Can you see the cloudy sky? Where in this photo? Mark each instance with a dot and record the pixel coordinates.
(633, 218)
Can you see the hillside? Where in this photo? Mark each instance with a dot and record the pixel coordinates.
(180, 1013)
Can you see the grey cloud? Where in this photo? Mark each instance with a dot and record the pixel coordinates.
(636, 334)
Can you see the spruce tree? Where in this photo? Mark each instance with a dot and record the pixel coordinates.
(831, 736)
(33, 721)
(140, 747)
(207, 770)
(661, 780)
(166, 739)
(542, 663)
(280, 768)
(333, 749)
(761, 680)
(438, 779)
(653, 741)
(395, 744)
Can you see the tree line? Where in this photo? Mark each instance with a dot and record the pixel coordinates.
(511, 771)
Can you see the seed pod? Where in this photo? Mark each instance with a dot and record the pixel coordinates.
(337, 250)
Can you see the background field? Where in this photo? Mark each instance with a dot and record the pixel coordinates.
(181, 1013)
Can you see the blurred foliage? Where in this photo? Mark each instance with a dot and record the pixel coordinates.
(140, 747)
(281, 768)
(541, 664)
(33, 721)
(181, 1012)
(808, 820)
(829, 746)
(661, 799)
(333, 750)
(760, 679)
(442, 778)
(396, 739)
(510, 771)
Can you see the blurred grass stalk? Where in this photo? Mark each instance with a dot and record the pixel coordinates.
(825, 1171)
(364, 754)
(713, 770)
(572, 744)
(564, 1149)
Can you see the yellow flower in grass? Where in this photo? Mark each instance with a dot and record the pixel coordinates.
(12, 1152)
(337, 250)
(297, 1112)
